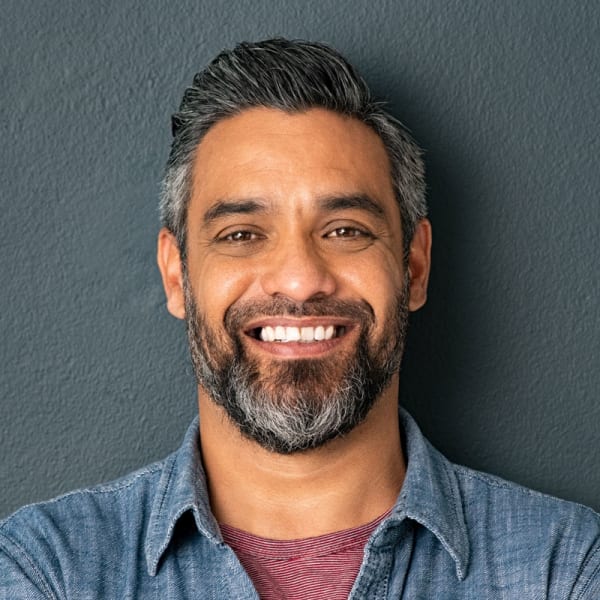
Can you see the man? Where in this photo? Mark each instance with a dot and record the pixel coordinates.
(294, 245)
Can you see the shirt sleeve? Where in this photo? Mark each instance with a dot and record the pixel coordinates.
(19, 577)
(589, 588)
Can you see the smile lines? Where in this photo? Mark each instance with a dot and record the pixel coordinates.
(283, 334)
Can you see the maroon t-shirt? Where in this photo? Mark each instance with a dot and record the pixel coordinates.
(307, 569)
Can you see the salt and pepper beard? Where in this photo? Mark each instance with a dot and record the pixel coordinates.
(292, 405)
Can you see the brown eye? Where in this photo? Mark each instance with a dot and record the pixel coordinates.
(240, 236)
(347, 232)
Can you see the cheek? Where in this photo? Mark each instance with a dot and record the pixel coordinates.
(217, 285)
(378, 282)
(376, 279)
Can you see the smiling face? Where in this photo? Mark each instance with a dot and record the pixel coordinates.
(295, 289)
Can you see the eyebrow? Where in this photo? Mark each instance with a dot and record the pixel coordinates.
(225, 208)
(352, 201)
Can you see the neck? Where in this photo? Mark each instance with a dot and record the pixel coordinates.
(347, 482)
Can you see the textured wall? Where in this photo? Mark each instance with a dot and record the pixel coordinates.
(502, 366)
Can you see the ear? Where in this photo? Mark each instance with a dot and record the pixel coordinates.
(169, 264)
(419, 263)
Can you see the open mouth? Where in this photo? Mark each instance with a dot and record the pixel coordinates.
(285, 334)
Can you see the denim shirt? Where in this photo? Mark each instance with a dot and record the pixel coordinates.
(453, 533)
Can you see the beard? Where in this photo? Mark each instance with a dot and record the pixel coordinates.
(289, 405)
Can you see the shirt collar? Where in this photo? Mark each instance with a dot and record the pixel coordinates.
(182, 488)
(430, 495)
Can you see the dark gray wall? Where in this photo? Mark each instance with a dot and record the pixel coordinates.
(502, 366)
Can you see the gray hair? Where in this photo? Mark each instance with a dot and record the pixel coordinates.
(293, 76)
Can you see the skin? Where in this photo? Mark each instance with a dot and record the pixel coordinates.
(262, 223)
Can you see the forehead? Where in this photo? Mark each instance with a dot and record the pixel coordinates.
(281, 157)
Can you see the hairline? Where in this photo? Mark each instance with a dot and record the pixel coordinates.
(294, 76)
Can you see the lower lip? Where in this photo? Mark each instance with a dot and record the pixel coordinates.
(299, 349)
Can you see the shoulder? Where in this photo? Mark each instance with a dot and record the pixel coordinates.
(484, 494)
(502, 536)
(87, 506)
(516, 530)
(93, 525)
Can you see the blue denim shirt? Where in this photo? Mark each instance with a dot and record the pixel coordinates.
(453, 533)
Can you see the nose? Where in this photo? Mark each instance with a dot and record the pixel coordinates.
(297, 270)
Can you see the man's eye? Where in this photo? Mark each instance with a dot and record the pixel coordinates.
(348, 233)
(240, 236)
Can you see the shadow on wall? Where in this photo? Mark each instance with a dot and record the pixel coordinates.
(442, 344)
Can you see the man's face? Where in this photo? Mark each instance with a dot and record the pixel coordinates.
(294, 288)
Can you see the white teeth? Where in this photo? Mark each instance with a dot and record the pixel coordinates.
(267, 334)
(296, 334)
(292, 334)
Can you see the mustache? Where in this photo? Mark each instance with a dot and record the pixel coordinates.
(280, 306)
